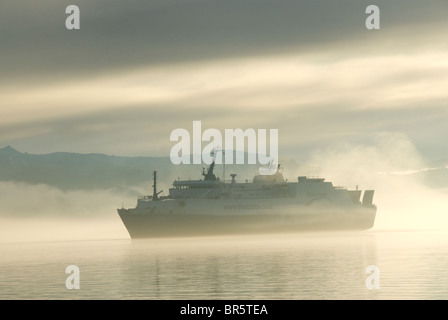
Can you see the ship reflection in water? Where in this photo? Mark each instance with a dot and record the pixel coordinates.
(268, 204)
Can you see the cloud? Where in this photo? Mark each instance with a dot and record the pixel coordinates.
(138, 70)
(311, 102)
(116, 35)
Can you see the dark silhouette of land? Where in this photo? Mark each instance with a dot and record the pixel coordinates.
(70, 171)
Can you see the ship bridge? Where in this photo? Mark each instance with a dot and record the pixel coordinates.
(272, 178)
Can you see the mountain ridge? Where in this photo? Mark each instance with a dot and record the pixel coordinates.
(67, 170)
(71, 171)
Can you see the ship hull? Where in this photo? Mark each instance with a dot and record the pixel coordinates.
(142, 224)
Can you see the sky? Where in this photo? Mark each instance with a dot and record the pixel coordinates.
(136, 70)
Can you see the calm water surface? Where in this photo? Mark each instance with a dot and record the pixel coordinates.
(410, 265)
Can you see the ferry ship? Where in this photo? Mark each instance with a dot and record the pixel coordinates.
(268, 204)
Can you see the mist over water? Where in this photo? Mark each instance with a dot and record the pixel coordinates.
(387, 165)
(44, 229)
(46, 213)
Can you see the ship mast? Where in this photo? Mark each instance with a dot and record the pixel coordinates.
(214, 153)
(155, 194)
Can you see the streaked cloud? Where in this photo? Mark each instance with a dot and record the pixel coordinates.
(137, 70)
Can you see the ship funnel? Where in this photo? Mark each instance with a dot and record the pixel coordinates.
(367, 199)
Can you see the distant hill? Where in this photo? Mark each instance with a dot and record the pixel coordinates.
(99, 171)
(75, 171)
(72, 171)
